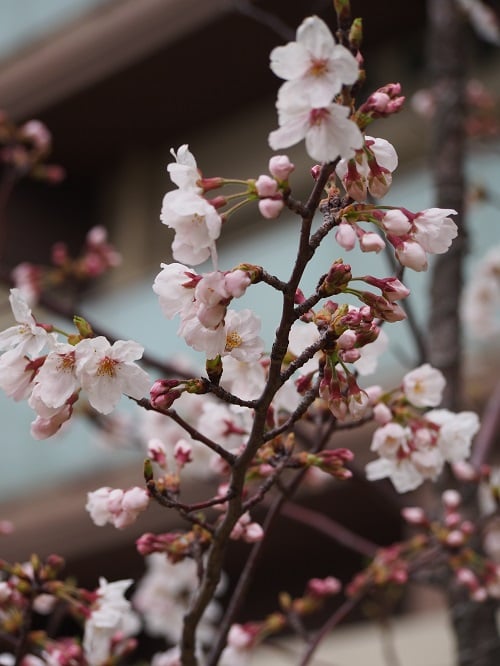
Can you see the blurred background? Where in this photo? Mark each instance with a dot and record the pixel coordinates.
(119, 83)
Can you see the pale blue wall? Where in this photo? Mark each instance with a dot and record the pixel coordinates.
(24, 21)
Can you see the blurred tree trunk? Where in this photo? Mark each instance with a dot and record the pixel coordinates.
(474, 624)
(447, 58)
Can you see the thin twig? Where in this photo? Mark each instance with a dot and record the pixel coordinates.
(193, 432)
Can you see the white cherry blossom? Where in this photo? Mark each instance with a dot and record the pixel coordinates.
(174, 285)
(455, 433)
(314, 65)
(424, 386)
(327, 130)
(108, 371)
(57, 379)
(26, 337)
(196, 223)
(112, 615)
(184, 171)
(242, 336)
(16, 375)
(434, 230)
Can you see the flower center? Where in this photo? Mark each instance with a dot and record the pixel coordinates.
(317, 116)
(107, 367)
(233, 340)
(318, 67)
(66, 362)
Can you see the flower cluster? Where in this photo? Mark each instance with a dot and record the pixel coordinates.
(413, 235)
(413, 446)
(52, 381)
(453, 532)
(201, 301)
(115, 506)
(315, 69)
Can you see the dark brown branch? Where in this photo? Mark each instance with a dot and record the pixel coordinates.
(330, 527)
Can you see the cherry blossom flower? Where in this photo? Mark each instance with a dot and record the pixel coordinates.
(327, 130)
(455, 432)
(242, 336)
(434, 231)
(174, 286)
(196, 223)
(246, 380)
(424, 386)
(314, 65)
(26, 337)
(184, 171)
(44, 427)
(16, 375)
(106, 371)
(115, 506)
(112, 615)
(57, 379)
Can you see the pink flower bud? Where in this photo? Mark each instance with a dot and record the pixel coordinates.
(412, 255)
(266, 186)
(163, 394)
(37, 133)
(464, 471)
(135, 500)
(280, 167)
(324, 587)
(452, 519)
(451, 499)
(414, 515)
(346, 236)
(347, 340)
(236, 282)
(480, 595)
(157, 452)
(315, 171)
(455, 538)
(381, 413)
(183, 452)
(396, 222)
(270, 208)
(466, 577)
(371, 242)
(253, 533)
